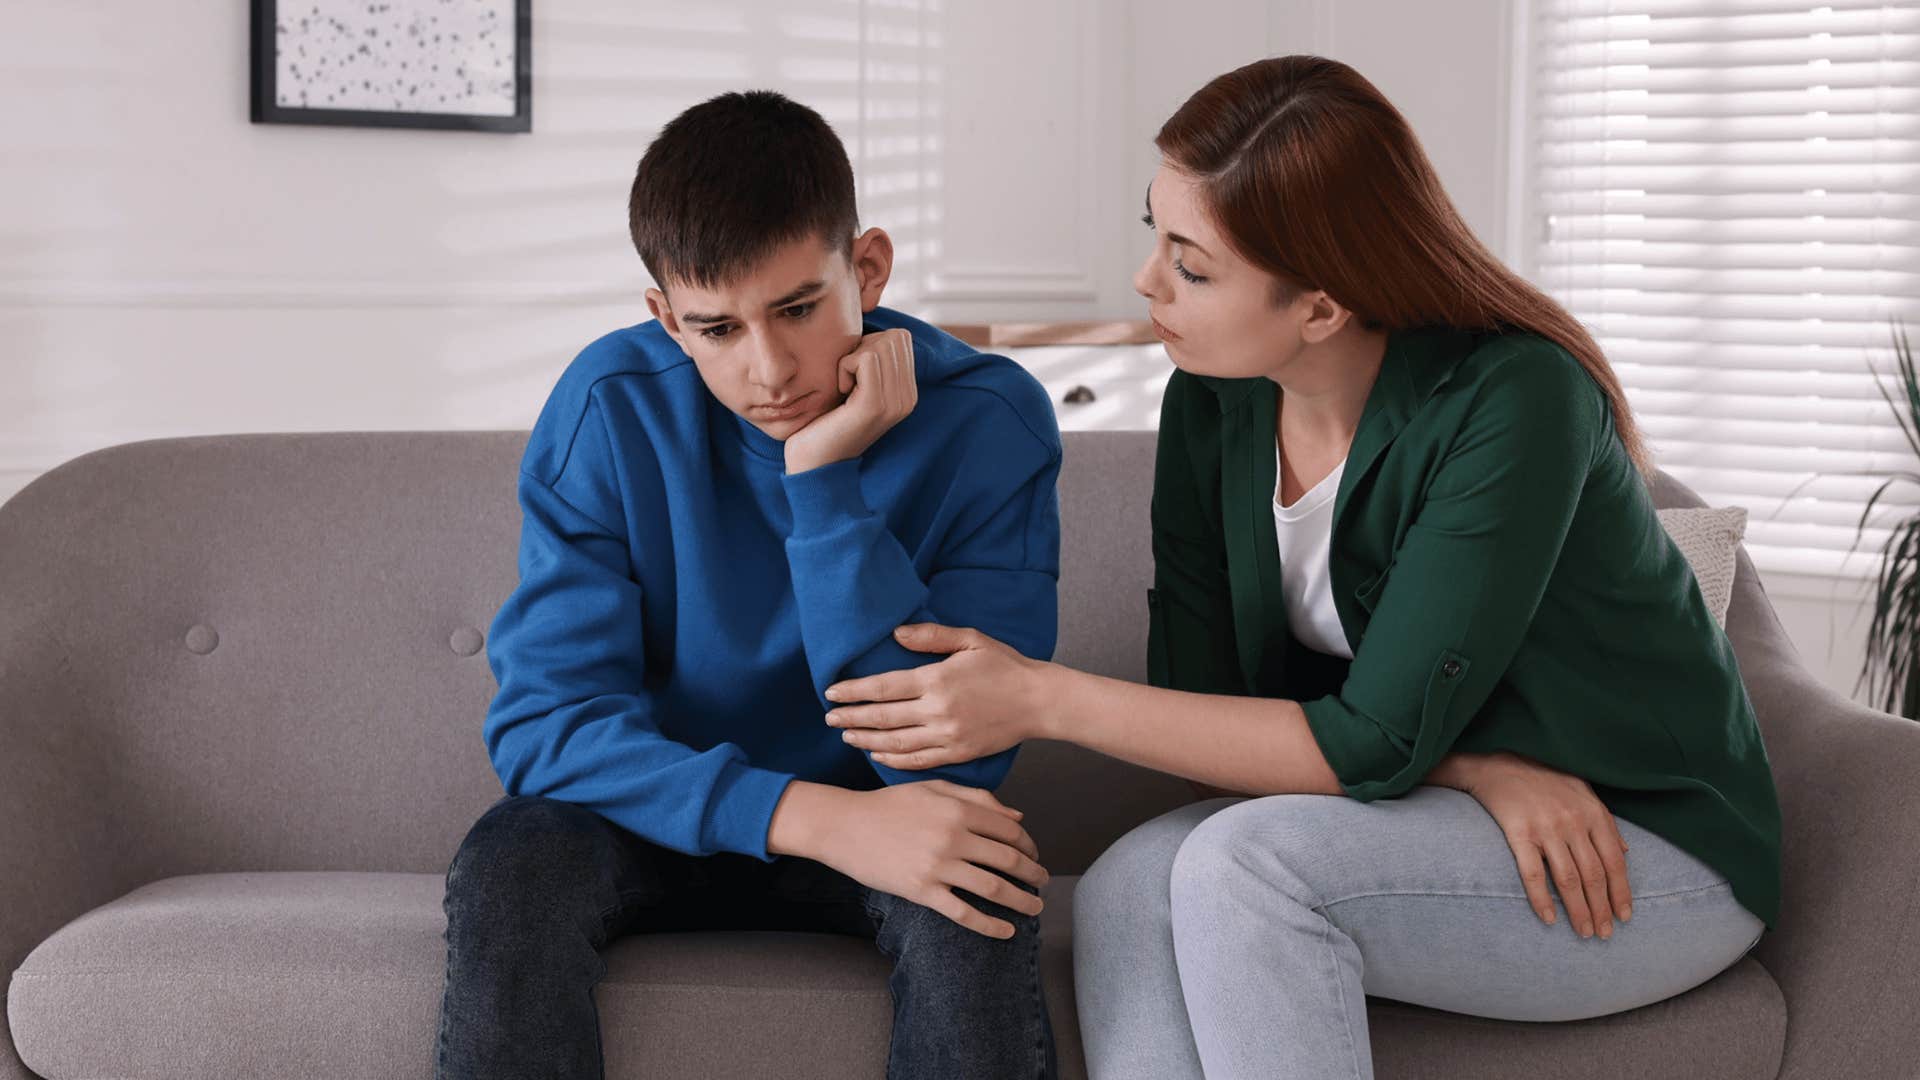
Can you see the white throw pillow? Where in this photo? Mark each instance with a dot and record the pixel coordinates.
(1709, 536)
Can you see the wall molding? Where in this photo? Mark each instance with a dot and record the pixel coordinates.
(1008, 283)
(312, 293)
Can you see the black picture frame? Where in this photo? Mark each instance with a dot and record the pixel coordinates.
(265, 96)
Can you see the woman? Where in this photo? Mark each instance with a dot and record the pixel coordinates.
(1413, 616)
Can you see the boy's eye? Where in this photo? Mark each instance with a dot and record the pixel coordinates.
(1186, 273)
(799, 311)
(715, 333)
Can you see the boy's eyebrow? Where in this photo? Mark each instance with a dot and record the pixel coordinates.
(1173, 236)
(798, 294)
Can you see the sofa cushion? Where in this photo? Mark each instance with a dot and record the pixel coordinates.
(1709, 538)
(340, 975)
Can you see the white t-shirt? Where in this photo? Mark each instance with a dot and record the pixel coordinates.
(1305, 530)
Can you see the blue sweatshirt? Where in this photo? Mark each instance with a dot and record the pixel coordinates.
(684, 603)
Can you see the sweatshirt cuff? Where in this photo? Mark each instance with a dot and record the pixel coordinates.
(740, 808)
(826, 497)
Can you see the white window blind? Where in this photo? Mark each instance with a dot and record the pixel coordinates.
(1727, 192)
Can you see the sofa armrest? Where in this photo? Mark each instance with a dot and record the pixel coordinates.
(59, 856)
(1846, 952)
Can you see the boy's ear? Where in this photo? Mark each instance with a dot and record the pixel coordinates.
(872, 257)
(657, 303)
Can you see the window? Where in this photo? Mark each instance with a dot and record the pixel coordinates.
(1727, 192)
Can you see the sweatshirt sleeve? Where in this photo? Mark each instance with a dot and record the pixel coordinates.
(572, 719)
(1464, 584)
(999, 573)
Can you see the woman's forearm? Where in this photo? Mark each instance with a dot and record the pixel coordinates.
(1259, 746)
(1247, 745)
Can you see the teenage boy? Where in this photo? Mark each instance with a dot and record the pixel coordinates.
(726, 510)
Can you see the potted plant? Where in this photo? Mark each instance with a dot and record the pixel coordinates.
(1891, 672)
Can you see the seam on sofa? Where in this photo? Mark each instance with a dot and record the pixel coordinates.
(706, 988)
(1628, 1018)
(171, 973)
(62, 973)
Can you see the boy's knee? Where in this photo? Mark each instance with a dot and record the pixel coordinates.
(922, 935)
(526, 850)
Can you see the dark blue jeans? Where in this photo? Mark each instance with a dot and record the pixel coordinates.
(540, 886)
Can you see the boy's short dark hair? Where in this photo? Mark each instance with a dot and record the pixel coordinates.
(731, 180)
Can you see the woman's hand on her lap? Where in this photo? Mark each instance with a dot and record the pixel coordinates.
(1559, 830)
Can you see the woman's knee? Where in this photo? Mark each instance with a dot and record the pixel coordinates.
(1268, 842)
(1129, 881)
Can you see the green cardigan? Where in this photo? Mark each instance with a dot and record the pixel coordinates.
(1502, 581)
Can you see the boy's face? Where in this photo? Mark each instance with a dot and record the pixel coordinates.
(769, 344)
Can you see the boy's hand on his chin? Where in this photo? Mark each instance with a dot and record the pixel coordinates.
(879, 374)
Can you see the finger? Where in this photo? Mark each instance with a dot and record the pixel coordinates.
(934, 638)
(868, 375)
(1004, 829)
(918, 760)
(977, 796)
(887, 362)
(886, 686)
(849, 371)
(1533, 877)
(1566, 878)
(902, 382)
(988, 885)
(946, 903)
(873, 716)
(905, 740)
(1593, 884)
(1613, 854)
(1007, 860)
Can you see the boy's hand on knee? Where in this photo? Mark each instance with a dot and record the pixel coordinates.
(920, 841)
(881, 388)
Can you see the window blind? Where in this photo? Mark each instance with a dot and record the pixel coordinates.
(1727, 193)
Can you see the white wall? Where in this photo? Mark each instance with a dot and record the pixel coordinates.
(168, 268)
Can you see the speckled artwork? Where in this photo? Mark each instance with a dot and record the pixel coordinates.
(418, 56)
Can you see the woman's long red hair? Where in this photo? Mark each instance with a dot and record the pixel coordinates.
(1317, 179)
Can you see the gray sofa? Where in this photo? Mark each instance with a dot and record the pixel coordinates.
(241, 686)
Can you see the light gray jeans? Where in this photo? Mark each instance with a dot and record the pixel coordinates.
(1240, 937)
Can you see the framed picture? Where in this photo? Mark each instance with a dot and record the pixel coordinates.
(465, 65)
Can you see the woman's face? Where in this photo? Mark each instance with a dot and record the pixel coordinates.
(1214, 309)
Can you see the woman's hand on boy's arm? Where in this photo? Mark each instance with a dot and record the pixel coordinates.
(983, 698)
(918, 841)
(878, 379)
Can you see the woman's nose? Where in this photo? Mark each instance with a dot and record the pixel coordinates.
(1143, 278)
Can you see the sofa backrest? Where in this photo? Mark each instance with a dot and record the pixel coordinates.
(266, 651)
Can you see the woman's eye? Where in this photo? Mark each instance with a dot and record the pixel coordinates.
(1186, 273)
(715, 333)
(1147, 220)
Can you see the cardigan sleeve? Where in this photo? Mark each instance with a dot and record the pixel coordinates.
(1463, 585)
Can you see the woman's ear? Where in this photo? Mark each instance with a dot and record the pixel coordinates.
(1325, 317)
(872, 258)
